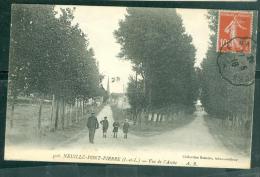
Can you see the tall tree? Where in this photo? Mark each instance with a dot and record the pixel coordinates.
(220, 98)
(27, 55)
(51, 57)
(155, 41)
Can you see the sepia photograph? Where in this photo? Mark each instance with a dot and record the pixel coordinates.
(131, 85)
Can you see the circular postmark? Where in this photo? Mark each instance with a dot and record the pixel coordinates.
(237, 67)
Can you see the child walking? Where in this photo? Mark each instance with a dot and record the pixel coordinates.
(125, 128)
(115, 130)
(105, 125)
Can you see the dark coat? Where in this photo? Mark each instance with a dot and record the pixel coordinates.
(116, 126)
(125, 127)
(92, 123)
(104, 124)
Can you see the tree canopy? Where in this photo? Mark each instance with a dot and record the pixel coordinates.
(219, 97)
(163, 55)
(50, 55)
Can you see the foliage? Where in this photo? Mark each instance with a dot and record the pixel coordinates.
(155, 41)
(135, 94)
(49, 55)
(218, 97)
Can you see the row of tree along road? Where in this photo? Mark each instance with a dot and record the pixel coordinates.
(155, 41)
(51, 58)
(166, 83)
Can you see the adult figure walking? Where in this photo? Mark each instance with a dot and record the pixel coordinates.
(125, 128)
(105, 125)
(92, 125)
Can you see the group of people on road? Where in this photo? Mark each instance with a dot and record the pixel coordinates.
(93, 124)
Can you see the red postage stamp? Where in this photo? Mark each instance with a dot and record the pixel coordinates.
(234, 31)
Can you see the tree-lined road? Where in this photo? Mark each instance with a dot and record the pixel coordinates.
(193, 137)
(163, 83)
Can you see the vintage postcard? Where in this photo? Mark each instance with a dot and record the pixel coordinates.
(125, 85)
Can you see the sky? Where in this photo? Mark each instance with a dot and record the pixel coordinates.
(99, 23)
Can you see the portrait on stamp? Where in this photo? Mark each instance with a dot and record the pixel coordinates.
(128, 85)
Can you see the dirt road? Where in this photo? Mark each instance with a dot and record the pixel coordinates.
(190, 145)
(194, 137)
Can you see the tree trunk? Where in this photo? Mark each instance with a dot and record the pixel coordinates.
(79, 110)
(83, 108)
(146, 116)
(67, 106)
(70, 115)
(140, 117)
(234, 121)
(52, 108)
(167, 117)
(161, 118)
(12, 111)
(135, 102)
(63, 114)
(157, 117)
(40, 114)
(76, 106)
(152, 118)
(57, 115)
(136, 115)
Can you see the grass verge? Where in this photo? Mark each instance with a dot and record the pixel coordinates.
(232, 139)
(46, 138)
